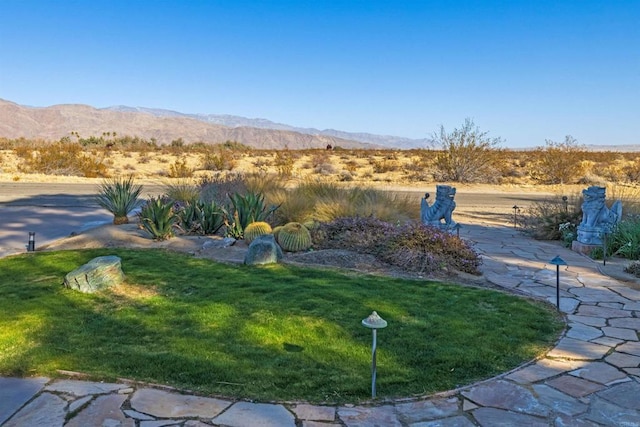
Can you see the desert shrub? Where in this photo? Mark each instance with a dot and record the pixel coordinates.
(550, 218)
(60, 158)
(423, 249)
(629, 195)
(385, 165)
(468, 155)
(222, 160)
(216, 188)
(120, 196)
(633, 268)
(284, 163)
(558, 162)
(157, 217)
(180, 169)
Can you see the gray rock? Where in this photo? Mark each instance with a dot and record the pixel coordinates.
(83, 388)
(432, 409)
(380, 416)
(314, 413)
(97, 274)
(506, 395)
(219, 243)
(491, 417)
(263, 250)
(607, 413)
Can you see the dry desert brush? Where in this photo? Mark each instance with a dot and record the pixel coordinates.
(412, 246)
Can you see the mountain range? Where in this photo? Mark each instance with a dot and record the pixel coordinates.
(57, 121)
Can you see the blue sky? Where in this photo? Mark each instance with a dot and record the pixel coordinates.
(525, 71)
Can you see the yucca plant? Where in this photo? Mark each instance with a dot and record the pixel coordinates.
(157, 218)
(120, 196)
(212, 217)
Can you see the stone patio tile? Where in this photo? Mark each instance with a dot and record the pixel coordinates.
(567, 305)
(608, 341)
(612, 304)
(558, 401)
(583, 332)
(573, 386)
(607, 413)
(164, 404)
(45, 410)
(599, 372)
(626, 395)
(243, 414)
(604, 312)
(506, 395)
(630, 323)
(79, 403)
(633, 371)
(491, 417)
(630, 348)
(103, 411)
(137, 415)
(632, 306)
(563, 420)
(598, 295)
(544, 369)
(83, 388)
(15, 392)
(160, 423)
(622, 333)
(587, 320)
(622, 360)
(311, 424)
(431, 409)
(502, 280)
(571, 348)
(314, 413)
(627, 292)
(458, 421)
(379, 416)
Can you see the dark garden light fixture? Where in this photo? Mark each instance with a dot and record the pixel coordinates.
(557, 261)
(374, 322)
(31, 244)
(516, 209)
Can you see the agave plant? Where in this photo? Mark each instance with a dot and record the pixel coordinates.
(245, 210)
(119, 196)
(157, 218)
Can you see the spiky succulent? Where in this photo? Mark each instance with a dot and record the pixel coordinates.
(294, 237)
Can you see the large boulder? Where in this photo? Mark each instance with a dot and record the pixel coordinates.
(263, 250)
(97, 274)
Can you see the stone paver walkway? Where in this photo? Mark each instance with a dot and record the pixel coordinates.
(590, 378)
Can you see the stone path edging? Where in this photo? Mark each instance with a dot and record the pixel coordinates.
(590, 378)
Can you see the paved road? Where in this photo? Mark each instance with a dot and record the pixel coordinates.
(55, 210)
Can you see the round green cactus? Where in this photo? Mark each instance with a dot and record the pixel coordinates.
(276, 230)
(256, 229)
(294, 237)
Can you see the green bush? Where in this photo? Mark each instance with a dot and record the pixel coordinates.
(624, 241)
(157, 218)
(553, 218)
(120, 196)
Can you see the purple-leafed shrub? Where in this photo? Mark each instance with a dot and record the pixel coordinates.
(361, 234)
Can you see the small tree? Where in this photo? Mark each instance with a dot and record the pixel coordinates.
(558, 162)
(468, 155)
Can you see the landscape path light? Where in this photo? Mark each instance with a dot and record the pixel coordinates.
(31, 243)
(457, 227)
(516, 209)
(374, 322)
(565, 200)
(557, 261)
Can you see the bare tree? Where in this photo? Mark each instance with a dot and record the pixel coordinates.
(468, 155)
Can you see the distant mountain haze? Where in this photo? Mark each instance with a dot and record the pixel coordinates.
(57, 121)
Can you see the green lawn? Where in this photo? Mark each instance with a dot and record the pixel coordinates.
(271, 333)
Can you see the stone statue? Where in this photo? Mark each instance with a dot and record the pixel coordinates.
(441, 209)
(597, 218)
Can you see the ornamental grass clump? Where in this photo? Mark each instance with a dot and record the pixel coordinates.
(120, 196)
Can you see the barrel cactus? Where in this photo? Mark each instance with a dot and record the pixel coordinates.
(256, 229)
(276, 230)
(294, 237)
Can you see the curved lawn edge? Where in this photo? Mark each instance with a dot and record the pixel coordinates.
(277, 333)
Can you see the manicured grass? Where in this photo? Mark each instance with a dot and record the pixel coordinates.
(271, 333)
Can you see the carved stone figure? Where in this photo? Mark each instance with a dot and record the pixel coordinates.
(597, 218)
(441, 209)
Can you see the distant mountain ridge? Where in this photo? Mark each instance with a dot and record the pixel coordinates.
(239, 121)
(57, 121)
